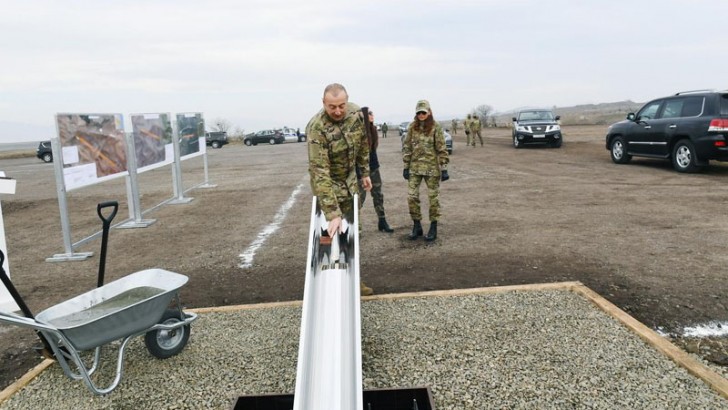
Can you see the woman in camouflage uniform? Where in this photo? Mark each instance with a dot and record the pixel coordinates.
(425, 158)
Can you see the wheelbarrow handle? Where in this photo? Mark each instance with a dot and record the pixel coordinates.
(108, 219)
(47, 351)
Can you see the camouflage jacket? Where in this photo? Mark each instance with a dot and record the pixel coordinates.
(335, 150)
(425, 154)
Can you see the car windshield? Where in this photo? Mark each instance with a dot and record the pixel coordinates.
(536, 116)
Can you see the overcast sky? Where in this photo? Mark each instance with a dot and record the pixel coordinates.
(264, 64)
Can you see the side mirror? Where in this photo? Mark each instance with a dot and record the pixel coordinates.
(514, 119)
(558, 117)
(631, 116)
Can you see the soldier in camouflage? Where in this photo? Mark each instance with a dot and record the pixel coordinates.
(477, 126)
(425, 158)
(376, 177)
(474, 121)
(385, 128)
(454, 126)
(337, 146)
(466, 125)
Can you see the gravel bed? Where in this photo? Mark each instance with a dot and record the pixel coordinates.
(523, 350)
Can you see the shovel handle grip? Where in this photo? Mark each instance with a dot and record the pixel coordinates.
(108, 219)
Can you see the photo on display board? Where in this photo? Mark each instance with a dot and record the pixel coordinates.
(93, 139)
(191, 127)
(152, 134)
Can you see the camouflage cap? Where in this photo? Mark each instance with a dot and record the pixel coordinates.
(422, 105)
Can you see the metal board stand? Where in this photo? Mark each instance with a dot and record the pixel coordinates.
(69, 255)
(179, 193)
(203, 150)
(132, 190)
(7, 303)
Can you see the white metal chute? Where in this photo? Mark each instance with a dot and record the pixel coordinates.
(329, 354)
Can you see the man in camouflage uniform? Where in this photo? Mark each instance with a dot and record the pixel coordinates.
(337, 146)
(424, 154)
(454, 126)
(467, 126)
(477, 125)
(385, 128)
(472, 128)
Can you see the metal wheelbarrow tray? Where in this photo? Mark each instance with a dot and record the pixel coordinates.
(118, 309)
(121, 310)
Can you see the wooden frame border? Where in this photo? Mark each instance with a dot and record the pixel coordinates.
(680, 357)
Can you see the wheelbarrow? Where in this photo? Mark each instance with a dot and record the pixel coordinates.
(137, 304)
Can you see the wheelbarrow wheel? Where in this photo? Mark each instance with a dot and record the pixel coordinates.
(163, 344)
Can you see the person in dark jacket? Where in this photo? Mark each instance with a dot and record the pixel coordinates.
(377, 195)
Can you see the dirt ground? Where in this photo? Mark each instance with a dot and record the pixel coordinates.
(645, 237)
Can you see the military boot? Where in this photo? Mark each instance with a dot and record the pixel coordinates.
(416, 230)
(365, 290)
(432, 233)
(384, 226)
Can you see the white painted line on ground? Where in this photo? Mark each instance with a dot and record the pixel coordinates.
(246, 257)
(713, 329)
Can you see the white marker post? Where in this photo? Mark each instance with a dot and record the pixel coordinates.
(7, 304)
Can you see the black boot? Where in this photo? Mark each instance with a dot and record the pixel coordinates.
(416, 230)
(432, 233)
(384, 226)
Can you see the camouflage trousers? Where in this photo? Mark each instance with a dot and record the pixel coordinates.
(433, 193)
(479, 136)
(377, 195)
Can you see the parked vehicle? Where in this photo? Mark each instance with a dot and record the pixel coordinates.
(448, 141)
(536, 126)
(403, 128)
(44, 151)
(264, 136)
(689, 128)
(216, 139)
(292, 135)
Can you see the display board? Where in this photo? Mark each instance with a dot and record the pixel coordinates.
(152, 140)
(191, 133)
(93, 148)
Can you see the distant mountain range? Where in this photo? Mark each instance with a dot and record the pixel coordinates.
(586, 114)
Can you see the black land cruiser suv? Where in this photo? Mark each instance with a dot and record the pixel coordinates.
(536, 126)
(216, 139)
(690, 128)
(44, 151)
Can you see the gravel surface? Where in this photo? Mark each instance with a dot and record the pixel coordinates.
(536, 349)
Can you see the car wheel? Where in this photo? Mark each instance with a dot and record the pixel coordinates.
(248, 142)
(516, 142)
(215, 144)
(272, 141)
(301, 139)
(683, 157)
(47, 157)
(619, 151)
